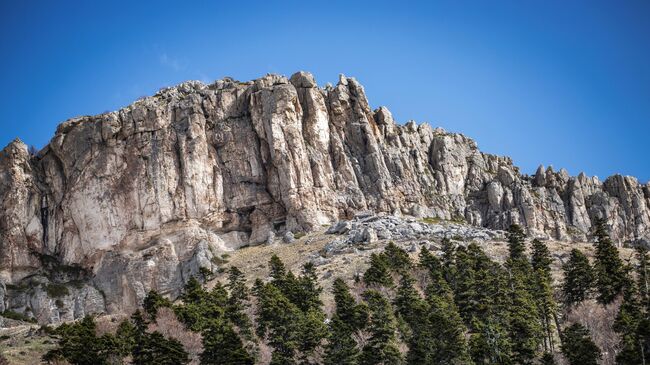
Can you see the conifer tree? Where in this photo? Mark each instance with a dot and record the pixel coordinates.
(124, 338)
(193, 292)
(238, 302)
(278, 272)
(431, 263)
(199, 305)
(543, 290)
(155, 349)
(381, 347)
(626, 324)
(445, 327)
(608, 266)
(78, 344)
(412, 314)
(577, 346)
(397, 259)
(643, 276)
(466, 285)
(299, 330)
(153, 301)
(448, 259)
(547, 359)
(309, 290)
(222, 345)
(407, 300)
(516, 243)
(349, 318)
(541, 257)
(378, 273)
(524, 327)
(578, 278)
(482, 296)
(278, 322)
(490, 340)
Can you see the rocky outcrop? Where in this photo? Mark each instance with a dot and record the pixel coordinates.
(146, 196)
(367, 228)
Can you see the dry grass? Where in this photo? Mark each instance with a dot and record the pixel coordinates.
(599, 320)
(26, 350)
(108, 324)
(169, 326)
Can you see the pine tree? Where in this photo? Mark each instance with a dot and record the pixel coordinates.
(398, 259)
(78, 344)
(278, 272)
(577, 346)
(193, 292)
(466, 286)
(627, 323)
(608, 266)
(445, 327)
(290, 314)
(490, 340)
(221, 345)
(349, 318)
(381, 347)
(543, 290)
(516, 243)
(125, 338)
(312, 333)
(378, 273)
(541, 257)
(412, 314)
(547, 359)
(525, 328)
(431, 263)
(155, 349)
(199, 305)
(578, 278)
(153, 301)
(448, 259)
(308, 296)
(278, 322)
(643, 276)
(407, 300)
(238, 302)
(483, 299)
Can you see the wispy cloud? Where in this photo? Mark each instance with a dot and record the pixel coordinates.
(171, 62)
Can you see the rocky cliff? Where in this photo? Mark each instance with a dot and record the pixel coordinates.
(142, 198)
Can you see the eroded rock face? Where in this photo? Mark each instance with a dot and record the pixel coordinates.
(146, 196)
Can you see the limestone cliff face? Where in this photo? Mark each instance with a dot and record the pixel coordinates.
(144, 197)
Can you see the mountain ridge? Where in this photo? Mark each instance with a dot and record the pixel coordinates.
(146, 196)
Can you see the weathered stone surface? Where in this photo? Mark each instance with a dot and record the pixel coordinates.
(142, 197)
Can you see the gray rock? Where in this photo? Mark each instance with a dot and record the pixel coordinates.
(369, 235)
(3, 290)
(288, 237)
(319, 261)
(340, 227)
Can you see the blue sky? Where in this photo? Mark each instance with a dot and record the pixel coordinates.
(562, 83)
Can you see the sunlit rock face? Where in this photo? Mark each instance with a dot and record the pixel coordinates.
(144, 197)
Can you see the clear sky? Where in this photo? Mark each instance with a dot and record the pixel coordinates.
(562, 83)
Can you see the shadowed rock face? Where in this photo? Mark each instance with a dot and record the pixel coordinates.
(144, 197)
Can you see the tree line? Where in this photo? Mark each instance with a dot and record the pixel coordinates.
(459, 307)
